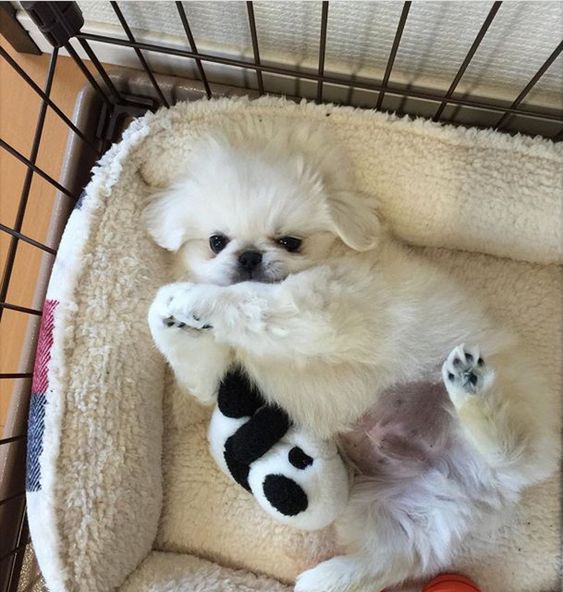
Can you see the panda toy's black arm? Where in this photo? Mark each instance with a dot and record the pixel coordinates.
(252, 440)
(238, 398)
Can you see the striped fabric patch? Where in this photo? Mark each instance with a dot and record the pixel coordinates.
(44, 345)
(35, 427)
(36, 423)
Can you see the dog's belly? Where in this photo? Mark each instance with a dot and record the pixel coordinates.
(405, 433)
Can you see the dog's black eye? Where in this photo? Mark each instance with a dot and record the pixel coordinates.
(290, 243)
(218, 242)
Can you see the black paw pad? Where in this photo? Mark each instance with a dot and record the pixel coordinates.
(472, 378)
(469, 357)
(480, 362)
(285, 495)
(169, 322)
(299, 459)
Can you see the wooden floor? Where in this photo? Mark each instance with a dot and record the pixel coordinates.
(19, 108)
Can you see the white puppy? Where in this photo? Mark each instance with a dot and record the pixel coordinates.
(284, 268)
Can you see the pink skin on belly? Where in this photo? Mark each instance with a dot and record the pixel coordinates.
(405, 433)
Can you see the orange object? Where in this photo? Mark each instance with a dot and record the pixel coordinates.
(451, 583)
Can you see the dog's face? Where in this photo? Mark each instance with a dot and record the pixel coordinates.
(246, 237)
(247, 215)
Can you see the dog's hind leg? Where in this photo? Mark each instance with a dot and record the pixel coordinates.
(475, 393)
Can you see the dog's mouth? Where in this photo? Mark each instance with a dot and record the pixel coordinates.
(258, 276)
(255, 277)
(268, 273)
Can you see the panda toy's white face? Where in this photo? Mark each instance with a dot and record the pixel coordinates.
(301, 482)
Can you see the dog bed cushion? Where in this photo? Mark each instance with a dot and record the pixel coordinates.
(121, 488)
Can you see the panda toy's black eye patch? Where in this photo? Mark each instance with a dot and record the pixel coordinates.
(299, 459)
(285, 495)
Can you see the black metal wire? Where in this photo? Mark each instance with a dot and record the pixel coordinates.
(35, 168)
(12, 439)
(12, 497)
(337, 81)
(393, 53)
(322, 50)
(62, 21)
(474, 46)
(27, 239)
(533, 81)
(191, 41)
(15, 550)
(14, 375)
(93, 82)
(140, 55)
(19, 70)
(18, 308)
(26, 188)
(17, 555)
(101, 70)
(255, 49)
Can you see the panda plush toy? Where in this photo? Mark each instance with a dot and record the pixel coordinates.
(297, 479)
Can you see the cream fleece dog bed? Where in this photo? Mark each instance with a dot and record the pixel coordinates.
(122, 492)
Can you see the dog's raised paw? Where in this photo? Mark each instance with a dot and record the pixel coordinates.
(186, 308)
(465, 372)
(170, 322)
(173, 322)
(176, 307)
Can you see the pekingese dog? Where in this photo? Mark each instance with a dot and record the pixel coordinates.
(284, 268)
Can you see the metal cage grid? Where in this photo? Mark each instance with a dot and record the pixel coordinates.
(321, 78)
(61, 22)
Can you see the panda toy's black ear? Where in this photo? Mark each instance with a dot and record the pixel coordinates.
(237, 396)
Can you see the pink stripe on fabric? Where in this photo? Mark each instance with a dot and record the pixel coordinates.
(44, 345)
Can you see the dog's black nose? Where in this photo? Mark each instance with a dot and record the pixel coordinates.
(250, 260)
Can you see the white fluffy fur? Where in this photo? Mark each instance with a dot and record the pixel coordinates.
(333, 327)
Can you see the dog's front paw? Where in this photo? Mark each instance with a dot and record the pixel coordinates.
(173, 319)
(181, 306)
(190, 306)
(465, 373)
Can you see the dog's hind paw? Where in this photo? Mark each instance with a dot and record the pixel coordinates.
(465, 373)
(339, 574)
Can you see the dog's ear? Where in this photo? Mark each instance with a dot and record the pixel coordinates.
(165, 218)
(355, 220)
